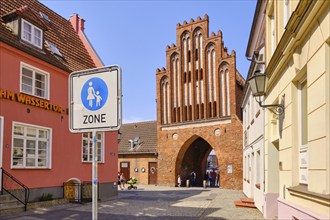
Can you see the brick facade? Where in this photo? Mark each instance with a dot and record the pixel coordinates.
(198, 97)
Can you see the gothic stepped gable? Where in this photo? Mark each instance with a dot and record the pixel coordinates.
(198, 97)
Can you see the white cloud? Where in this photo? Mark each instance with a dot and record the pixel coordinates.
(132, 119)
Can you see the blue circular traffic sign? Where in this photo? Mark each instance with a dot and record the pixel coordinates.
(94, 94)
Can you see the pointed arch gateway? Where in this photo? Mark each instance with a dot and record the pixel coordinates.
(204, 110)
(193, 157)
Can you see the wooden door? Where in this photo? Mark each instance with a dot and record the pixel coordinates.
(152, 173)
(125, 168)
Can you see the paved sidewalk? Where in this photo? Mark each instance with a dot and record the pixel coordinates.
(156, 202)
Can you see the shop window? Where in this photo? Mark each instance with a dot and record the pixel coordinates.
(31, 146)
(31, 34)
(34, 81)
(87, 143)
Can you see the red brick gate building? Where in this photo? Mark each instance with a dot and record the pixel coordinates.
(198, 96)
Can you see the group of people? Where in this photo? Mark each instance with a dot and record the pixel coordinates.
(192, 181)
(211, 177)
(121, 180)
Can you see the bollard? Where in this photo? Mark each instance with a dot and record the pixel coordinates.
(204, 184)
(187, 183)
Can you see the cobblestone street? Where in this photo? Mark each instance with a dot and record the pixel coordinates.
(154, 202)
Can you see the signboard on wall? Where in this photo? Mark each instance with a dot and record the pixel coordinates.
(95, 99)
(230, 169)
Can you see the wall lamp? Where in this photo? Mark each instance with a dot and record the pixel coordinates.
(258, 85)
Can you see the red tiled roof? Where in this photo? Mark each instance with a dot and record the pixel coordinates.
(147, 133)
(58, 31)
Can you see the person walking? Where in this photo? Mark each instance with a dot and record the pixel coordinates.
(122, 181)
(119, 182)
(179, 181)
(213, 176)
(193, 178)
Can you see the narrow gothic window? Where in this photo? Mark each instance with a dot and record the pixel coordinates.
(165, 100)
(227, 93)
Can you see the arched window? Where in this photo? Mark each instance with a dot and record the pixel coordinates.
(187, 92)
(165, 100)
(198, 47)
(211, 82)
(224, 90)
(176, 85)
(227, 92)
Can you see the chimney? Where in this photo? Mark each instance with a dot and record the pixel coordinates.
(131, 143)
(77, 23)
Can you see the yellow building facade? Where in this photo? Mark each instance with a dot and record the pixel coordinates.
(297, 144)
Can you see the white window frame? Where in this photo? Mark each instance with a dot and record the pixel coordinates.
(258, 166)
(249, 168)
(34, 72)
(34, 30)
(303, 148)
(89, 140)
(272, 33)
(25, 138)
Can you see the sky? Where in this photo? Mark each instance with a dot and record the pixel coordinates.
(134, 35)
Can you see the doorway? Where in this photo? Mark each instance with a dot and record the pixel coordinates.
(152, 173)
(194, 158)
(125, 169)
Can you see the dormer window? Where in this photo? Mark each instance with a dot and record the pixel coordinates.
(136, 141)
(45, 17)
(31, 34)
(54, 49)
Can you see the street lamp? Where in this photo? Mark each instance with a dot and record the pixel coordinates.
(258, 86)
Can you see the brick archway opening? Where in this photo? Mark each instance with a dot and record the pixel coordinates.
(193, 157)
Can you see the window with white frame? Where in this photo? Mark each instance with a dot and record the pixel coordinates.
(258, 160)
(244, 168)
(31, 146)
(34, 81)
(31, 34)
(252, 108)
(303, 141)
(87, 143)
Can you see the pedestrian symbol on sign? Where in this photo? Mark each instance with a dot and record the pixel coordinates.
(94, 94)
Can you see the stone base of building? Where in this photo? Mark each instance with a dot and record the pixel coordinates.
(106, 191)
(289, 210)
(270, 208)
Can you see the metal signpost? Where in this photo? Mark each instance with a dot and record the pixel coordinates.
(95, 105)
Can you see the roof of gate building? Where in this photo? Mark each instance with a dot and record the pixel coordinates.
(57, 30)
(138, 138)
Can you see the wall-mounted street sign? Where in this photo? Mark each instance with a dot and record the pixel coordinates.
(95, 99)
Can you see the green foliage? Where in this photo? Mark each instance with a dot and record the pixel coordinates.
(46, 197)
